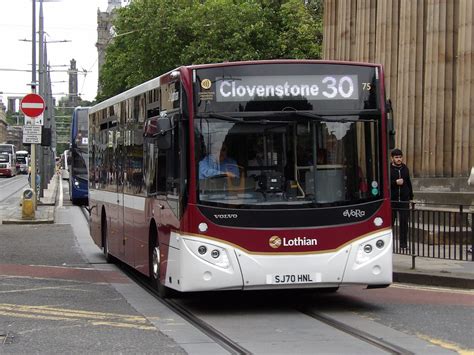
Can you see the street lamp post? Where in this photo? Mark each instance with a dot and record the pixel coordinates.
(33, 90)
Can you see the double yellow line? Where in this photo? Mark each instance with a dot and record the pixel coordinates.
(73, 315)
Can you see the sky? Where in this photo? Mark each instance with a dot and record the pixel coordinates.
(71, 20)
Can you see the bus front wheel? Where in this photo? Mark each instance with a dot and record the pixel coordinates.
(155, 258)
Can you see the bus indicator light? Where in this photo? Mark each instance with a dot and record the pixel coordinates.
(378, 221)
(202, 227)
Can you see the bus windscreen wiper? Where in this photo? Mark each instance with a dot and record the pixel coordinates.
(308, 115)
(255, 118)
(219, 116)
(328, 118)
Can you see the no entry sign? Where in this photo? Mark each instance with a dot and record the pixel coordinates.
(32, 105)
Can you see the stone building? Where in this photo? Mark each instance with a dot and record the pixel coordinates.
(3, 123)
(13, 104)
(73, 95)
(105, 29)
(427, 51)
(15, 136)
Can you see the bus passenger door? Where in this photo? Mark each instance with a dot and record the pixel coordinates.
(171, 177)
(120, 157)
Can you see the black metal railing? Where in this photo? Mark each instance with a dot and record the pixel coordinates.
(434, 231)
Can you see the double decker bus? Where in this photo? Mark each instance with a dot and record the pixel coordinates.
(246, 175)
(22, 161)
(7, 160)
(78, 157)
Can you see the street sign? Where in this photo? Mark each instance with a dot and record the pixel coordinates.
(32, 105)
(32, 134)
(38, 120)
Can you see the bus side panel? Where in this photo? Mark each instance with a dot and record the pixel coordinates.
(136, 232)
(374, 268)
(108, 200)
(168, 222)
(188, 271)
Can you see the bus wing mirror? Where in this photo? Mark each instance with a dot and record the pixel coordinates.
(163, 132)
(390, 124)
(391, 139)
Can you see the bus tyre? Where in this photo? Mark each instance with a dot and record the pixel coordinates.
(163, 291)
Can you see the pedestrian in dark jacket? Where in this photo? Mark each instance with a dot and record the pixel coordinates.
(401, 193)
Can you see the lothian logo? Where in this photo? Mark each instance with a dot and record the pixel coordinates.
(275, 241)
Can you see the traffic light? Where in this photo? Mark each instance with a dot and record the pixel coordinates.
(45, 136)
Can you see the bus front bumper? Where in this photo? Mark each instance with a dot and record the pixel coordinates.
(200, 264)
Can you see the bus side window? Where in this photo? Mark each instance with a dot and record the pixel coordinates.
(151, 167)
(161, 172)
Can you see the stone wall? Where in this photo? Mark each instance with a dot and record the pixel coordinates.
(427, 49)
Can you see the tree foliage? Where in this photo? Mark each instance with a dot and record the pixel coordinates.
(155, 36)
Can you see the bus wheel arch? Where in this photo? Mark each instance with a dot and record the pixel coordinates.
(154, 256)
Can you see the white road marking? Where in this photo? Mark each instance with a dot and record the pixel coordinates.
(60, 203)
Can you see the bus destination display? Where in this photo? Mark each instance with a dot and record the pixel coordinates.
(296, 87)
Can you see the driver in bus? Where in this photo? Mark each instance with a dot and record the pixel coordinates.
(217, 163)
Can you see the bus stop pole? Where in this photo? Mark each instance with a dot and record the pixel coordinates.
(33, 172)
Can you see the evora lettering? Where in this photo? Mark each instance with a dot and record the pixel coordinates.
(354, 213)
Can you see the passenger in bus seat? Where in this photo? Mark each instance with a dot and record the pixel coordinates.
(218, 163)
(322, 156)
(256, 163)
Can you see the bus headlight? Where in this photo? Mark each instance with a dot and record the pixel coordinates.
(370, 249)
(76, 183)
(211, 253)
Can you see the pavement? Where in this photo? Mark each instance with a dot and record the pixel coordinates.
(45, 208)
(406, 268)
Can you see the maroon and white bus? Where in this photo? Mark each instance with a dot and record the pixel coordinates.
(7, 160)
(246, 175)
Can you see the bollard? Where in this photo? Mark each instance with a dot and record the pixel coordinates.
(28, 204)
